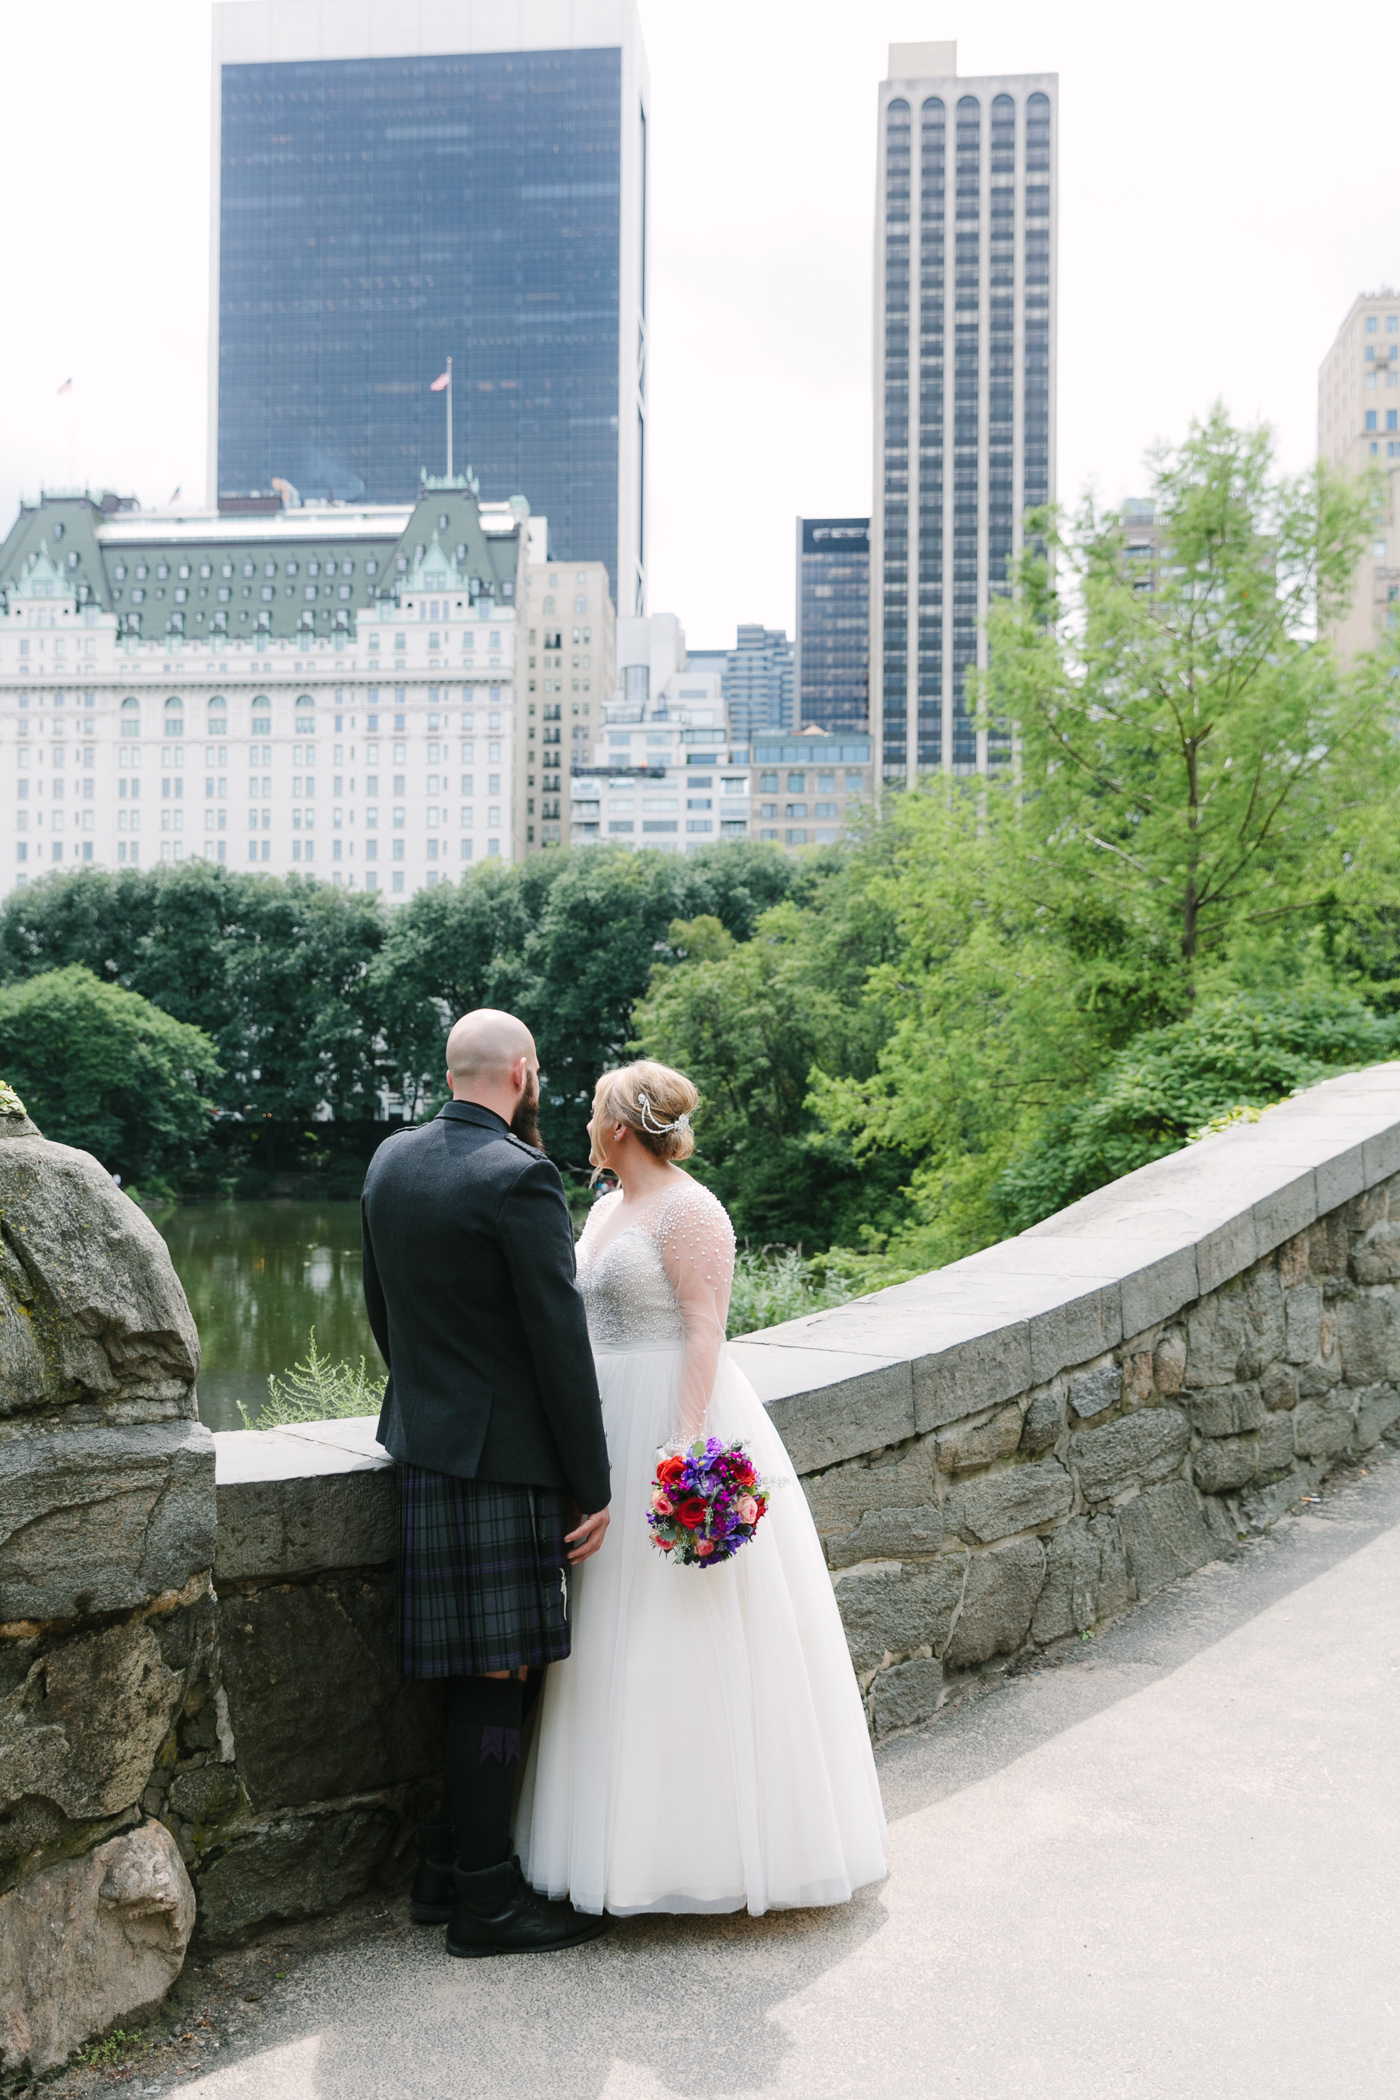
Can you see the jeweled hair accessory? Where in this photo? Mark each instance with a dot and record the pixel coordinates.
(651, 1123)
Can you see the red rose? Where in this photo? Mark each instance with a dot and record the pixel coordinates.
(692, 1512)
(670, 1471)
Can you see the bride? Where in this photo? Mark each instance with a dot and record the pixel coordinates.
(703, 1747)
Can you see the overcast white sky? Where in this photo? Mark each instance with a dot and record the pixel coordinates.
(1228, 184)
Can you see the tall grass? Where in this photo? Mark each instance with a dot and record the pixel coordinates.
(772, 1284)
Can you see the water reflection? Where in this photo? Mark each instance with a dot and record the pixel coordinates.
(258, 1277)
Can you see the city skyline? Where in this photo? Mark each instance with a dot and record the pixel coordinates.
(760, 319)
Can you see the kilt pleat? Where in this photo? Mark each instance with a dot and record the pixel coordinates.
(483, 1575)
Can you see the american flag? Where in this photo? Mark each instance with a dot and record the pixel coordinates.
(436, 387)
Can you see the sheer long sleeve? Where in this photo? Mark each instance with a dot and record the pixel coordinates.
(696, 1240)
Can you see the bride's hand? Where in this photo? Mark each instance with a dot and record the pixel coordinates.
(588, 1537)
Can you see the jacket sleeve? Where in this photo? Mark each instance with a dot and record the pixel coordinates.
(374, 1291)
(537, 1240)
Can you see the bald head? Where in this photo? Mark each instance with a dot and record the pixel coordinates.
(489, 1057)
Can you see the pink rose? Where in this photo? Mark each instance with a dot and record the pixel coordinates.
(705, 1548)
(748, 1510)
(661, 1504)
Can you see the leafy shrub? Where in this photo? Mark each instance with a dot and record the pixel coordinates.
(772, 1284)
(319, 1389)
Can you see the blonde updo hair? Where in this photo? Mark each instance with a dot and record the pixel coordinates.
(639, 1095)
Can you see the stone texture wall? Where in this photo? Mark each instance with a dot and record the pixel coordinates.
(107, 1616)
(1030, 1521)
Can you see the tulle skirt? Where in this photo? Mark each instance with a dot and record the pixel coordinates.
(704, 1747)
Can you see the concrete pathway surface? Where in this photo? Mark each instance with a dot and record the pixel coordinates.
(1168, 1867)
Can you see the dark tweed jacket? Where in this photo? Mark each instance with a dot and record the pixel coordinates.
(469, 1280)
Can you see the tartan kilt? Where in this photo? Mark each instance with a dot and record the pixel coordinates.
(484, 1576)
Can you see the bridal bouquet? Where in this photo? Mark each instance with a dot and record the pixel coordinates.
(706, 1502)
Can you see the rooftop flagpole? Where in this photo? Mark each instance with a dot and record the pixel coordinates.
(449, 418)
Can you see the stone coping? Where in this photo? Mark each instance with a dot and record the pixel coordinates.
(862, 1376)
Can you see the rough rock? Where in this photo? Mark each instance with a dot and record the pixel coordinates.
(1321, 1428)
(1303, 1323)
(1093, 1391)
(1262, 1506)
(1017, 1500)
(1377, 1410)
(1235, 1331)
(100, 1519)
(888, 1609)
(964, 1445)
(1114, 1589)
(1169, 1362)
(1227, 1410)
(840, 1497)
(1224, 1463)
(908, 1693)
(1134, 1451)
(84, 1728)
(317, 1707)
(89, 1278)
(889, 1534)
(1366, 1333)
(300, 1866)
(1377, 1257)
(1069, 1601)
(1045, 1420)
(1165, 1536)
(1278, 1388)
(1001, 1593)
(89, 1942)
(302, 1523)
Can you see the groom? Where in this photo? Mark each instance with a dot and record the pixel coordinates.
(492, 1414)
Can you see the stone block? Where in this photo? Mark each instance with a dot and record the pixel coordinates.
(1264, 1505)
(1160, 1288)
(327, 1514)
(889, 1534)
(1114, 1595)
(1275, 1443)
(1376, 1259)
(905, 1695)
(1227, 1410)
(997, 1504)
(1329, 1245)
(1223, 1463)
(888, 1609)
(1044, 1422)
(298, 1867)
(1366, 1335)
(97, 1520)
(317, 1707)
(90, 1942)
(971, 1375)
(1169, 1362)
(1092, 1392)
(1068, 1603)
(202, 1793)
(84, 1726)
(1131, 1452)
(966, 1445)
(1165, 1536)
(1303, 1323)
(89, 1276)
(839, 1498)
(1278, 1388)
(998, 1602)
(829, 1403)
(1322, 1428)
(1377, 1410)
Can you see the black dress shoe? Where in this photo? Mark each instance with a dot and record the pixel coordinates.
(430, 1899)
(497, 1912)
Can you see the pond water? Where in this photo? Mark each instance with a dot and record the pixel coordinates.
(259, 1277)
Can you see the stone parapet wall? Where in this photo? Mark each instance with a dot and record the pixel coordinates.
(107, 1612)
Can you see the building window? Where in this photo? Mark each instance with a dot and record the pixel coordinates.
(1370, 419)
(797, 838)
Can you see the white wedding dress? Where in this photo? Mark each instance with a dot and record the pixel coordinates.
(704, 1746)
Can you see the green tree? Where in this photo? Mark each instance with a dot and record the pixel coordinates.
(1193, 754)
(101, 1068)
(1232, 1053)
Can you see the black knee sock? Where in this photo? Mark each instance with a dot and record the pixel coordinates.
(483, 1755)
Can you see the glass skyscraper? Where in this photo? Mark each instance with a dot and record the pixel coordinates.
(388, 195)
(833, 623)
(758, 685)
(964, 394)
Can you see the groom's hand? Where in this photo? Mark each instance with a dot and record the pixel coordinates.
(588, 1537)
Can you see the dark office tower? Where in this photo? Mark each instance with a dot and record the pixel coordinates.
(964, 423)
(833, 623)
(395, 185)
(758, 686)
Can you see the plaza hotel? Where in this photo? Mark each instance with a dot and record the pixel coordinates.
(336, 689)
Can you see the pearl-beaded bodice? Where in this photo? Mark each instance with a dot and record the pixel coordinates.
(643, 1287)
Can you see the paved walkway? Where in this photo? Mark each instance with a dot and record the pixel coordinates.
(1170, 1867)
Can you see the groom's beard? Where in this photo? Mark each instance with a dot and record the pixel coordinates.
(526, 1121)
